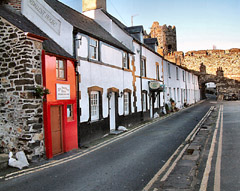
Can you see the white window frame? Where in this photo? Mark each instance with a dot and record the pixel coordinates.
(125, 60)
(169, 70)
(177, 74)
(94, 101)
(143, 72)
(126, 103)
(93, 49)
(144, 98)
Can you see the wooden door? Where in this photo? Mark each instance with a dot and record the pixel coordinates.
(56, 129)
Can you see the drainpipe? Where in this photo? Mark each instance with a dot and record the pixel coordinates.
(77, 88)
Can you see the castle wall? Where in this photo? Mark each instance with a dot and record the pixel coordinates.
(228, 60)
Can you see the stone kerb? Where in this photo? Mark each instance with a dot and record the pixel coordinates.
(21, 121)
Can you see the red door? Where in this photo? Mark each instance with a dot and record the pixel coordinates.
(56, 129)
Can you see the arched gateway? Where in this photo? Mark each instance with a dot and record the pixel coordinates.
(226, 89)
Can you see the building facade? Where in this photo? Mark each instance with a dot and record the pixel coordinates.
(100, 75)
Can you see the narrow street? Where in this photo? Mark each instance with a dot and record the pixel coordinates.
(128, 163)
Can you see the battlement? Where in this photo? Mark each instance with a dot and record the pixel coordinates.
(212, 52)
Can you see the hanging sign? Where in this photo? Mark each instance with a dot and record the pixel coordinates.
(63, 91)
(155, 86)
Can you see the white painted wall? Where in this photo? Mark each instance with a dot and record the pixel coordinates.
(111, 27)
(50, 22)
(102, 74)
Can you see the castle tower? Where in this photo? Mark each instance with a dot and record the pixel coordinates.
(167, 38)
(88, 5)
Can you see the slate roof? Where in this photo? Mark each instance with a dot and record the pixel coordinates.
(134, 29)
(21, 22)
(84, 24)
(150, 40)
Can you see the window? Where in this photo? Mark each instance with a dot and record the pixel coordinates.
(61, 69)
(183, 74)
(126, 103)
(188, 77)
(94, 100)
(125, 60)
(170, 93)
(157, 70)
(174, 91)
(178, 96)
(169, 71)
(177, 76)
(143, 67)
(93, 46)
(144, 100)
(69, 112)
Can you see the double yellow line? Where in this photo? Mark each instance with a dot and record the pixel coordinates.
(217, 177)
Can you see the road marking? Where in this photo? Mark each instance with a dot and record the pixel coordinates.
(166, 165)
(217, 178)
(207, 170)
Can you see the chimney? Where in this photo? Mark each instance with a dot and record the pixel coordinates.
(16, 4)
(88, 5)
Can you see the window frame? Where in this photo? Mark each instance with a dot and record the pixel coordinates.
(125, 60)
(144, 101)
(158, 72)
(71, 117)
(58, 69)
(126, 103)
(93, 47)
(143, 72)
(169, 70)
(177, 73)
(94, 105)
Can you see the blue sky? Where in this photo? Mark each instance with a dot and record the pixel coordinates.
(200, 24)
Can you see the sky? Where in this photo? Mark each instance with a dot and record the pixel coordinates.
(200, 24)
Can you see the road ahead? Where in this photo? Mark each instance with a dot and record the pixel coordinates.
(128, 163)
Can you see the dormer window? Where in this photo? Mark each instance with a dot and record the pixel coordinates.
(93, 49)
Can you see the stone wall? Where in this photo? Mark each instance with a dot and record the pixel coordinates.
(167, 39)
(21, 121)
(228, 60)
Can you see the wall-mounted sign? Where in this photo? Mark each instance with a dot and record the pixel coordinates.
(63, 91)
(45, 15)
(156, 86)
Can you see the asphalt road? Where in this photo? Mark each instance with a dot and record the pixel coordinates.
(126, 164)
(224, 166)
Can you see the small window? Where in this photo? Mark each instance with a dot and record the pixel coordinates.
(144, 99)
(169, 71)
(93, 46)
(183, 73)
(125, 60)
(94, 100)
(61, 69)
(69, 112)
(143, 67)
(126, 103)
(177, 76)
(157, 70)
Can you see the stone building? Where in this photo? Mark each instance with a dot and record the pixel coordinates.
(27, 56)
(167, 38)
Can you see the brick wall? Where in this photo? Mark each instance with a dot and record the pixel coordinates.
(21, 121)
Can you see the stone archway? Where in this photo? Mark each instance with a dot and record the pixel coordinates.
(226, 88)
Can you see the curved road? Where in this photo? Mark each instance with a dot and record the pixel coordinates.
(128, 163)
